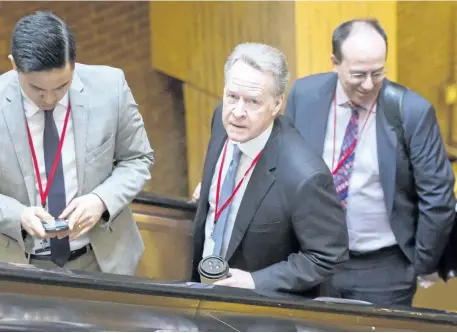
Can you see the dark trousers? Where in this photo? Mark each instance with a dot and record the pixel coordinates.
(384, 277)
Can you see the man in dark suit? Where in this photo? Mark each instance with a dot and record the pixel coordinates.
(279, 223)
(399, 204)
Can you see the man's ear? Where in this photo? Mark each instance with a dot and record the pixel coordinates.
(13, 63)
(335, 62)
(278, 103)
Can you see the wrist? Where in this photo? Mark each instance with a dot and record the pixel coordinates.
(104, 214)
(101, 203)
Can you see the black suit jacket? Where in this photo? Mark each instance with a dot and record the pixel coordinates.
(418, 189)
(290, 231)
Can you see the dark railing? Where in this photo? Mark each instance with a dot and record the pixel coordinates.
(148, 198)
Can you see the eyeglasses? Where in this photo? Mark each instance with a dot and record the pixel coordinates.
(360, 77)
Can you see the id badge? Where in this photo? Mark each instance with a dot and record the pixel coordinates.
(45, 246)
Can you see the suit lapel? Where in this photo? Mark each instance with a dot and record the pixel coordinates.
(79, 115)
(387, 154)
(260, 182)
(14, 113)
(319, 109)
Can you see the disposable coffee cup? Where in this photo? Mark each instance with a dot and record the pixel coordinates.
(212, 269)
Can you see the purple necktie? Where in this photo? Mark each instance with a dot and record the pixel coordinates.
(60, 248)
(343, 174)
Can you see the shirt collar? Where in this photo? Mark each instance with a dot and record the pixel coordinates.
(31, 108)
(254, 146)
(343, 100)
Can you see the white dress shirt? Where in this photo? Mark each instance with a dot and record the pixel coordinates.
(35, 119)
(367, 219)
(249, 150)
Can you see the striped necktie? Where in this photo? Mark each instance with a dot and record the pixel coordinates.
(343, 174)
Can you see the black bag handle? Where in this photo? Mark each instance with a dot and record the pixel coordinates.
(392, 94)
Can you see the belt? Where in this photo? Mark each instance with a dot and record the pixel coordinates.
(73, 254)
(371, 254)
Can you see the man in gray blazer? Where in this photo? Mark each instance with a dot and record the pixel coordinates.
(279, 226)
(399, 204)
(74, 147)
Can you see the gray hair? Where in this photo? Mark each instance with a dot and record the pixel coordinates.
(264, 58)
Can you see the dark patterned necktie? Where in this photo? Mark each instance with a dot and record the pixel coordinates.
(343, 174)
(60, 248)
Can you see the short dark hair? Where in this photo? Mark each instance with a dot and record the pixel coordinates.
(342, 32)
(42, 42)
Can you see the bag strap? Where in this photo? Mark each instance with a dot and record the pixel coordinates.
(393, 99)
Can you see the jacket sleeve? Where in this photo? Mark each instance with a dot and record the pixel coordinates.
(434, 182)
(320, 226)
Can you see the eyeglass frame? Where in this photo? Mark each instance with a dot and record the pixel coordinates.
(364, 75)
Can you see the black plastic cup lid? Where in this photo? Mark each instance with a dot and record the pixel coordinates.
(213, 267)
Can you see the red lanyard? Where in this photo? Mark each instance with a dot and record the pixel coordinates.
(44, 194)
(219, 177)
(352, 147)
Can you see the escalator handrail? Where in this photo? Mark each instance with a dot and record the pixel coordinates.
(135, 285)
(148, 198)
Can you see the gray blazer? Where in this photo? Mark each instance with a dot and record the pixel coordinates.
(107, 127)
(290, 230)
(418, 190)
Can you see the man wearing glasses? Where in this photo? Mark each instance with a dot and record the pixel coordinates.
(399, 203)
(268, 205)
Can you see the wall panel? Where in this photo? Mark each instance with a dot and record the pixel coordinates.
(170, 28)
(199, 111)
(191, 40)
(427, 54)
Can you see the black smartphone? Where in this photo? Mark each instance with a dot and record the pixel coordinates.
(60, 225)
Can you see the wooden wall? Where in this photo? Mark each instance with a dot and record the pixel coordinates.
(427, 57)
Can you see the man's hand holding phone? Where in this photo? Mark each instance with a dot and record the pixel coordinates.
(58, 225)
(35, 219)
